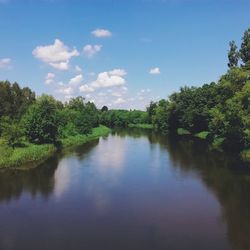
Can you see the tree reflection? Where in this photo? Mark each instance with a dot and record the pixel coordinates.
(39, 180)
(225, 175)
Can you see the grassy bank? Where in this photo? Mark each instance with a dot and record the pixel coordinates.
(31, 154)
(141, 125)
(25, 156)
(81, 139)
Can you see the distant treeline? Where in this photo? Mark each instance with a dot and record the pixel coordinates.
(23, 117)
(219, 111)
(122, 118)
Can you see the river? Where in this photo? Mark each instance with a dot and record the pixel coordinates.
(132, 190)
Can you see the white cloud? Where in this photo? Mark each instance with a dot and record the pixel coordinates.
(76, 80)
(107, 79)
(101, 33)
(56, 55)
(86, 88)
(118, 72)
(65, 90)
(5, 63)
(50, 78)
(110, 79)
(91, 50)
(118, 92)
(119, 101)
(60, 65)
(155, 71)
(78, 68)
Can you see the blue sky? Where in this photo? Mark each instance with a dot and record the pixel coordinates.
(117, 53)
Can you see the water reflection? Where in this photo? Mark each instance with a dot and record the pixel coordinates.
(35, 181)
(225, 175)
(51, 176)
(135, 189)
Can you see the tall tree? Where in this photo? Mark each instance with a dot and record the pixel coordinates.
(42, 120)
(245, 47)
(233, 55)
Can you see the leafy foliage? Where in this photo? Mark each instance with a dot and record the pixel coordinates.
(218, 111)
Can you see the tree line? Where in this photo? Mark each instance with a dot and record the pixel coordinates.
(220, 111)
(42, 120)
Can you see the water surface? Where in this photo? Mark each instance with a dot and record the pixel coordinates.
(131, 190)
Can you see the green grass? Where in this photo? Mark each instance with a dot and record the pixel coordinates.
(202, 135)
(25, 156)
(182, 131)
(30, 155)
(141, 125)
(81, 139)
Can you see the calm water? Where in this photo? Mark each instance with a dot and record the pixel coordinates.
(132, 190)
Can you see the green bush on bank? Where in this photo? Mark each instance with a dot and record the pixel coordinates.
(33, 154)
(182, 131)
(202, 135)
(80, 139)
(141, 125)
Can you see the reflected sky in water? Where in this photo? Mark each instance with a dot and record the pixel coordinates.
(131, 190)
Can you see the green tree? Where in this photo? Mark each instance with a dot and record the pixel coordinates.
(104, 109)
(245, 47)
(233, 55)
(11, 131)
(41, 121)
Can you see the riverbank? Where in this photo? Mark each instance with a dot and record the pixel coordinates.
(141, 125)
(31, 155)
(215, 144)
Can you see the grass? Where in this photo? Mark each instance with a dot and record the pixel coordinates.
(182, 131)
(81, 139)
(141, 125)
(202, 135)
(31, 154)
(25, 156)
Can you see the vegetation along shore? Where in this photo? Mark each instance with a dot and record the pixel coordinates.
(33, 128)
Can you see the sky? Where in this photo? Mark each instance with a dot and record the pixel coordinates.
(119, 53)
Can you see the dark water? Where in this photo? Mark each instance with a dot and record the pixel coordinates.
(131, 190)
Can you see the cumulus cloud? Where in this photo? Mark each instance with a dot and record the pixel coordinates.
(110, 79)
(65, 90)
(119, 101)
(5, 63)
(91, 50)
(86, 88)
(101, 33)
(118, 72)
(50, 78)
(155, 71)
(76, 80)
(106, 79)
(56, 55)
